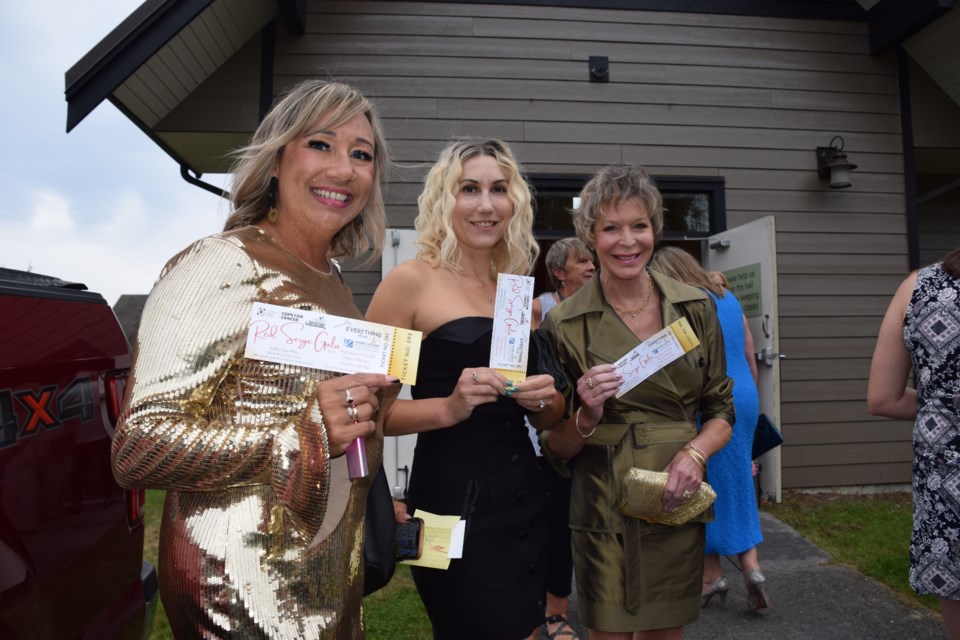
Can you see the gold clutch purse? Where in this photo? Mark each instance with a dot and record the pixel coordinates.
(642, 498)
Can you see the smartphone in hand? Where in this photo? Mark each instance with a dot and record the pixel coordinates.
(410, 540)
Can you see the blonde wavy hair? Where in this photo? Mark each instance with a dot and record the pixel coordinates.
(295, 115)
(516, 252)
(613, 185)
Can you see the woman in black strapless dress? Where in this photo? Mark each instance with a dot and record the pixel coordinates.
(473, 457)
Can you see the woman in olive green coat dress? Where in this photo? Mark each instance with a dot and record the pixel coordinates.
(634, 579)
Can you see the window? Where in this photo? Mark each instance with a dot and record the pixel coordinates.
(694, 207)
(694, 210)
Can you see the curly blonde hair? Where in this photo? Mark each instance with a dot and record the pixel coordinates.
(295, 115)
(613, 185)
(516, 252)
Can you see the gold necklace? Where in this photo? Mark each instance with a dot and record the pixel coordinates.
(634, 312)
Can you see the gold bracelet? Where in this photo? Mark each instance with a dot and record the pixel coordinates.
(576, 423)
(696, 454)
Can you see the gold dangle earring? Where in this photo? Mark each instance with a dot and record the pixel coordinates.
(274, 186)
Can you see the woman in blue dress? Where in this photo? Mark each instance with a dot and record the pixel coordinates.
(736, 528)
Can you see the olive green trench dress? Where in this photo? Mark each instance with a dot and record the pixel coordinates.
(632, 575)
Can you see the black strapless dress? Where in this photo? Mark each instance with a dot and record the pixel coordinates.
(484, 470)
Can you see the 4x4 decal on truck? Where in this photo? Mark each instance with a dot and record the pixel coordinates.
(45, 407)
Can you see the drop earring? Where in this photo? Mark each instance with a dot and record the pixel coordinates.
(358, 222)
(272, 188)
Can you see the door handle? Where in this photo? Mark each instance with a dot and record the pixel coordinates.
(768, 356)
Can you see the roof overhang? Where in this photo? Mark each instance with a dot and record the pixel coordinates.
(160, 54)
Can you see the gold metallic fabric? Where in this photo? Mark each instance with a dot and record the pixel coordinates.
(642, 498)
(262, 532)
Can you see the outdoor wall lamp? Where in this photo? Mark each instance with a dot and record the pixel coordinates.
(832, 163)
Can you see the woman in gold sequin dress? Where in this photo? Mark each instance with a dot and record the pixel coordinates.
(262, 529)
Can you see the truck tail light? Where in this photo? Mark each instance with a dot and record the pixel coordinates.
(136, 500)
(116, 385)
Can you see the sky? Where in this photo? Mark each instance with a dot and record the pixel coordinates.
(102, 205)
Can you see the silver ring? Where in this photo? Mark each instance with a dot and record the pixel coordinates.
(349, 398)
(473, 376)
(353, 413)
(687, 494)
(590, 383)
(542, 404)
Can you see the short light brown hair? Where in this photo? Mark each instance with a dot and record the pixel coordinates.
(611, 186)
(560, 252)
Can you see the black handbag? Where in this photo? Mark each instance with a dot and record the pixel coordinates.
(380, 542)
(765, 437)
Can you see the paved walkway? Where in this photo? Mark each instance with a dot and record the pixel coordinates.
(811, 600)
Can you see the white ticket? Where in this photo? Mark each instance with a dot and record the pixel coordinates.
(655, 353)
(511, 326)
(321, 341)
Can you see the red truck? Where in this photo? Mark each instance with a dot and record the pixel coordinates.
(71, 540)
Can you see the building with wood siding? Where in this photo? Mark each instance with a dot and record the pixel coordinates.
(732, 97)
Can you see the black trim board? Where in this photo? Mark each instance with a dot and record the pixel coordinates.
(891, 22)
(294, 14)
(848, 10)
(123, 51)
(909, 162)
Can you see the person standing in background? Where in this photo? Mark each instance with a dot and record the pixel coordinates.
(569, 264)
(736, 526)
(919, 332)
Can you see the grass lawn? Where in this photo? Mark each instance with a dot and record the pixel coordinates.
(868, 532)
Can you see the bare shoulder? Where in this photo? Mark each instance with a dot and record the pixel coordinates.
(399, 293)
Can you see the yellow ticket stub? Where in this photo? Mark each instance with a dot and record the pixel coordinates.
(655, 353)
(321, 341)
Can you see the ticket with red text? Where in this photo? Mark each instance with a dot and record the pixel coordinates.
(510, 344)
(321, 341)
(655, 353)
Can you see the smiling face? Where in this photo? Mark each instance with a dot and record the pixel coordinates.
(483, 207)
(326, 178)
(624, 239)
(576, 271)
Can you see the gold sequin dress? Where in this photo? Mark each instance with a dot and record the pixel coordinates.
(262, 531)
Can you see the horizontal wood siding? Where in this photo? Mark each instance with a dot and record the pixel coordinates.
(747, 99)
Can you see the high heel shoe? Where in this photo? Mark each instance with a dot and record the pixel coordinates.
(720, 587)
(757, 590)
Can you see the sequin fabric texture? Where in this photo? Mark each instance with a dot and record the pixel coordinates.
(931, 333)
(262, 531)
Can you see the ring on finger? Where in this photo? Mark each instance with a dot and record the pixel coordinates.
(353, 413)
(590, 383)
(542, 405)
(687, 494)
(473, 376)
(349, 398)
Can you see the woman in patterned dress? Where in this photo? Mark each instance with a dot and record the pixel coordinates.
(921, 329)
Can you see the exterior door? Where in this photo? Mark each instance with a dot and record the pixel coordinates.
(398, 450)
(747, 255)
